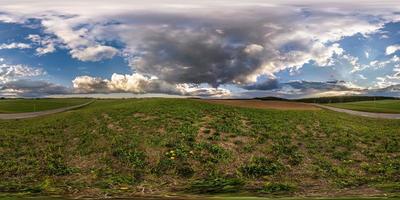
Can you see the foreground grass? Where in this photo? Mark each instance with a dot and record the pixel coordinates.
(179, 146)
(381, 106)
(34, 105)
(201, 198)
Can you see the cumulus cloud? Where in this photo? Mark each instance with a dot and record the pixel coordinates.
(94, 53)
(392, 49)
(45, 44)
(269, 84)
(11, 72)
(15, 45)
(241, 51)
(15, 81)
(140, 84)
(390, 79)
(73, 34)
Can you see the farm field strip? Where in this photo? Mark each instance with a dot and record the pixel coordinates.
(35, 105)
(380, 106)
(361, 113)
(279, 105)
(41, 113)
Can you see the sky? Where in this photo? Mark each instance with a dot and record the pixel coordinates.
(200, 48)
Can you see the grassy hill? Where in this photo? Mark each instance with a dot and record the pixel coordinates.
(34, 105)
(165, 146)
(381, 106)
(332, 99)
(343, 99)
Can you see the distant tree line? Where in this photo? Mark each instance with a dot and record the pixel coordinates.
(334, 99)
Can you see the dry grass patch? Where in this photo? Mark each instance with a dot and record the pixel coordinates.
(279, 105)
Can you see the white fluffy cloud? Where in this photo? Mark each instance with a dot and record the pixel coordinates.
(82, 44)
(94, 53)
(15, 45)
(18, 80)
(12, 72)
(140, 84)
(45, 45)
(392, 49)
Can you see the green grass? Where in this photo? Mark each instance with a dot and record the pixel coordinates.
(181, 146)
(381, 106)
(33, 105)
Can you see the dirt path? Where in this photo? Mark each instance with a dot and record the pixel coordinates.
(360, 113)
(41, 113)
(280, 105)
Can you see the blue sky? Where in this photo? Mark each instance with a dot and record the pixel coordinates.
(217, 49)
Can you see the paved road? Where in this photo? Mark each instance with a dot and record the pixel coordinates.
(41, 113)
(360, 113)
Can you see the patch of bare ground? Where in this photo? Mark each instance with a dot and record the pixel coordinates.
(301, 128)
(144, 116)
(85, 162)
(114, 126)
(154, 155)
(279, 105)
(231, 142)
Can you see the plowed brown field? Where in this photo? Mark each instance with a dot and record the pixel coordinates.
(280, 105)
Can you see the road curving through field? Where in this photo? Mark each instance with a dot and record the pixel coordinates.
(41, 113)
(361, 113)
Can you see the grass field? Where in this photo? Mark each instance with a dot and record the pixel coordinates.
(264, 104)
(381, 106)
(33, 105)
(180, 146)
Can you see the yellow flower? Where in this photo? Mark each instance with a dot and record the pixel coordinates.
(172, 158)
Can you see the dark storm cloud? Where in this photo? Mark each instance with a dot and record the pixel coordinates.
(321, 86)
(272, 84)
(234, 48)
(196, 56)
(299, 89)
(182, 48)
(269, 84)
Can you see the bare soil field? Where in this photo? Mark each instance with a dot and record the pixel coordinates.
(280, 105)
